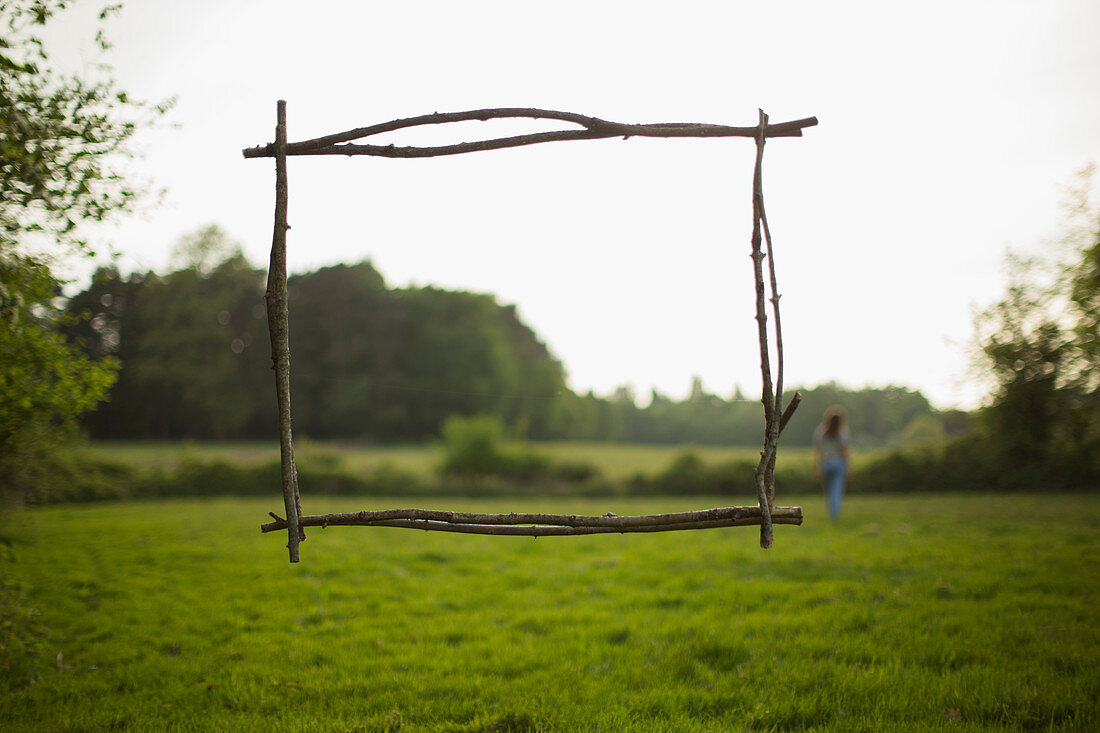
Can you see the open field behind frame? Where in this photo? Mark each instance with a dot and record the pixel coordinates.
(909, 613)
(615, 460)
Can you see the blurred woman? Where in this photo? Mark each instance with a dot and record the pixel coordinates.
(831, 458)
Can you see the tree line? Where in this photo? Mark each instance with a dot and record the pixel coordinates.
(186, 350)
(377, 363)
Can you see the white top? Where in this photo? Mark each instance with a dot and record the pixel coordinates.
(831, 447)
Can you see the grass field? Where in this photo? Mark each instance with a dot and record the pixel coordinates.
(614, 460)
(909, 613)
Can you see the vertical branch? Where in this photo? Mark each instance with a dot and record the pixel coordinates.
(767, 397)
(278, 324)
(774, 427)
(775, 309)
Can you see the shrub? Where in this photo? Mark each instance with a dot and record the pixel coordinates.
(64, 476)
(689, 474)
(685, 475)
(473, 446)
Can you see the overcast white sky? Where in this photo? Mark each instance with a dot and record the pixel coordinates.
(947, 133)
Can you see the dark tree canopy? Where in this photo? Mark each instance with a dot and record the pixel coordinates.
(384, 364)
(371, 362)
(1039, 343)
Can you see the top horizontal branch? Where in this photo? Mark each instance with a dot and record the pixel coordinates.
(592, 128)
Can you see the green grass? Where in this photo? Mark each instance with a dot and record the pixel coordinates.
(622, 460)
(909, 613)
(616, 461)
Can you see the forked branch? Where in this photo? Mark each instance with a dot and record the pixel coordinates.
(591, 128)
(775, 417)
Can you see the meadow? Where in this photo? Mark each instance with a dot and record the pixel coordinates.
(616, 463)
(909, 613)
(615, 460)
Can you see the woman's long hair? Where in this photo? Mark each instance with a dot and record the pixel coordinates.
(833, 421)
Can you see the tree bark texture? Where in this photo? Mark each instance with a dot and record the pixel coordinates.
(766, 393)
(278, 324)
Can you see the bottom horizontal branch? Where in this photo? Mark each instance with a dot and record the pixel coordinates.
(545, 525)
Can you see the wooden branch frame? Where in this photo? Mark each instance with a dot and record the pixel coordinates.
(533, 525)
(592, 128)
(278, 324)
(543, 525)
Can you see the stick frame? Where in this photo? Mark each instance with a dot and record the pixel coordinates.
(590, 128)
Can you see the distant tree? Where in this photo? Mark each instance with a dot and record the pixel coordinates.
(540, 379)
(923, 430)
(1026, 351)
(204, 249)
(193, 350)
(393, 364)
(583, 417)
(441, 353)
(369, 362)
(878, 416)
(1039, 345)
(344, 330)
(1082, 278)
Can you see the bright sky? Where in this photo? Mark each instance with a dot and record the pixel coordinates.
(948, 131)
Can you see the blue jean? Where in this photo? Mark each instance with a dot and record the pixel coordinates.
(834, 471)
